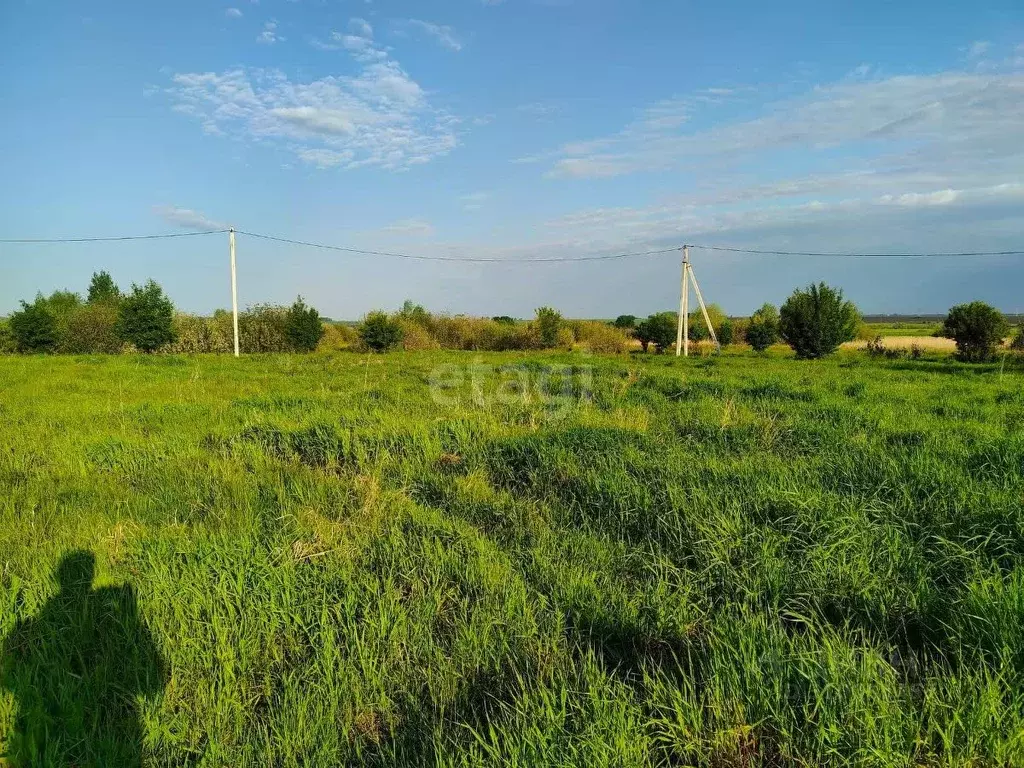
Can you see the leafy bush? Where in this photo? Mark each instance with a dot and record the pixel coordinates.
(302, 327)
(263, 328)
(380, 332)
(816, 320)
(338, 337)
(763, 329)
(599, 337)
(1018, 340)
(504, 319)
(416, 338)
(658, 329)
(698, 330)
(977, 328)
(725, 332)
(91, 329)
(34, 327)
(549, 322)
(8, 346)
(146, 318)
(196, 335)
(103, 289)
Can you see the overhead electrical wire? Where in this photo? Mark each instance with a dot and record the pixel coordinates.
(509, 260)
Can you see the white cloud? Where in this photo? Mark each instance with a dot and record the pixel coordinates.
(444, 34)
(978, 48)
(950, 123)
(186, 218)
(414, 227)
(378, 117)
(269, 34)
(361, 27)
(233, 13)
(474, 201)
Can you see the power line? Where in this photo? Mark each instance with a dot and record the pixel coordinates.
(421, 257)
(856, 255)
(163, 236)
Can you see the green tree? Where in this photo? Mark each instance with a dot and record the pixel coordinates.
(814, 321)
(625, 322)
(504, 319)
(699, 329)
(763, 328)
(91, 328)
(34, 327)
(380, 332)
(977, 328)
(146, 318)
(103, 289)
(549, 323)
(725, 332)
(658, 329)
(303, 327)
(1018, 340)
(414, 313)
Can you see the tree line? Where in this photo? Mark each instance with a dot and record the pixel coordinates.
(814, 321)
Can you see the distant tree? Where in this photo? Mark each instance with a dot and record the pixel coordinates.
(625, 322)
(8, 345)
(698, 330)
(414, 313)
(549, 322)
(380, 332)
(763, 328)
(725, 332)
(658, 329)
(504, 320)
(303, 327)
(814, 321)
(1018, 340)
(103, 289)
(977, 328)
(146, 317)
(33, 327)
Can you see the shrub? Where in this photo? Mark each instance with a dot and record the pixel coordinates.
(698, 330)
(504, 319)
(977, 328)
(263, 328)
(8, 346)
(91, 329)
(302, 327)
(549, 322)
(103, 289)
(146, 318)
(194, 334)
(763, 329)
(33, 327)
(338, 337)
(416, 338)
(816, 320)
(725, 334)
(600, 337)
(380, 332)
(1018, 340)
(658, 329)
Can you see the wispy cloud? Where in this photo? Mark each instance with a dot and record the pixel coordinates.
(379, 117)
(415, 227)
(269, 35)
(186, 218)
(233, 13)
(444, 34)
(474, 201)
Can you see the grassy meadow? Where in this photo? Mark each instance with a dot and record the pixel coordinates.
(405, 560)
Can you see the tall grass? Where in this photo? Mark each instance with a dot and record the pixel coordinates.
(738, 560)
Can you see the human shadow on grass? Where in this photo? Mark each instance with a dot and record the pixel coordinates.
(76, 670)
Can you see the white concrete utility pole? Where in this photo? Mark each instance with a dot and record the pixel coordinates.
(234, 287)
(683, 327)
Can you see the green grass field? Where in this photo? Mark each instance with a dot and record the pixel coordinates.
(400, 560)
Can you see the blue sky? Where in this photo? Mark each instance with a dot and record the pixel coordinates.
(516, 129)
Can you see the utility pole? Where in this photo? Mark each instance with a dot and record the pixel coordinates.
(683, 326)
(234, 287)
